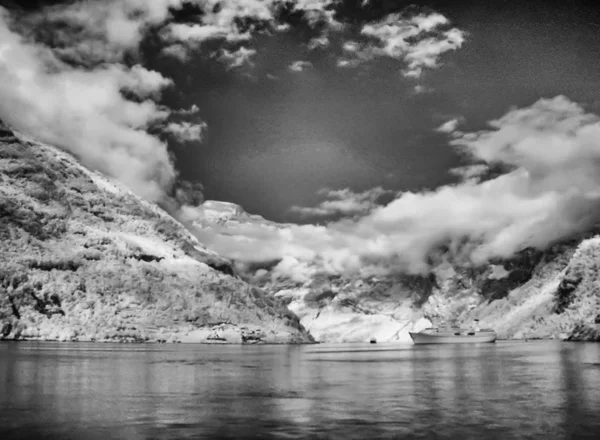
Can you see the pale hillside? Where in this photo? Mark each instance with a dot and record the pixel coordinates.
(84, 259)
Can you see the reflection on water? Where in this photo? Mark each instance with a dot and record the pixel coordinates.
(97, 391)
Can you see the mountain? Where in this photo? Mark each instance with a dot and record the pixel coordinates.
(82, 258)
(550, 293)
(85, 259)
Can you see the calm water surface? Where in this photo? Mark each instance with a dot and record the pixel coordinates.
(98, 391)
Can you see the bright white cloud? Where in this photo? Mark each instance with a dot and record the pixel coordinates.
(344, 202)
(321, 42)
(70, 92)
(419, 89)
(468, 172)
(237, 58)
(299, 66)
(293, 269)
(199, 33)
(222, 20)
(83, 109)
(188, 111)
(94, 32)
(351, 46)
(178, 51)
(186, 131)
(145, 83)
(551, 191)
(417, 41)
(319, 12)
(427, 52)
(448, 126)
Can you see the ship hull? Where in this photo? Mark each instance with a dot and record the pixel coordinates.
(449, 338)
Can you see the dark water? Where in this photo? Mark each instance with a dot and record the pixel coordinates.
(95, 391)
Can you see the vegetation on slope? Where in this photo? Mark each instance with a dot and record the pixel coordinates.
(83, 259)
(550, 293)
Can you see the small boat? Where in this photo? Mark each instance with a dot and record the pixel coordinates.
(453, 335)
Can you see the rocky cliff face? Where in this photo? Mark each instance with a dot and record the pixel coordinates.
(84, 259)
(554, 293)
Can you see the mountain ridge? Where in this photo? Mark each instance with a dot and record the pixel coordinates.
(86, 259)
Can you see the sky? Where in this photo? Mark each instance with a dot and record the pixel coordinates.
(273, 143)
(382, 129)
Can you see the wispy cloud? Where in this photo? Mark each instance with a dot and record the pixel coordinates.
(238, 58)
(299, 66)
(199, 33)
(186, 131)
(187, 111)
(320, 42)
(178, 51)
(237, 21)
(448, 126)
(420, 89)
(344, 202)
(417, 41)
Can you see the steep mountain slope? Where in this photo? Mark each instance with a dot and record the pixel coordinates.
(84, 259)
(553, 293)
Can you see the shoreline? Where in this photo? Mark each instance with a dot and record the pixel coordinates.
(155, 342)
(162, 342)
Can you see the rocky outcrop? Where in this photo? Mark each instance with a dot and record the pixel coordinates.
(82, 258)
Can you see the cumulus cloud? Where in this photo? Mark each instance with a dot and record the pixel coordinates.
(417, 41)
(187, 111)
(320, 42)
(96, 32)
(237, 58)
(177, 51)
(420, 89)
(299, 66)
(344, 202)
(552, 150)
(468, 172)
(71, 74)
(294, 269)
(83, 109)
(236, 21)
(318, 12)
(196, 34)
(186, 131)
(145, 83)
(448, 126)
(549, 190)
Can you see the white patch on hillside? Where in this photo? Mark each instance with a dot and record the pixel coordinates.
(149, 245)
(333, 325)
(498, 272)
(337, 323)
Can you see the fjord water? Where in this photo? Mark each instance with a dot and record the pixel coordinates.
(506, 390)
